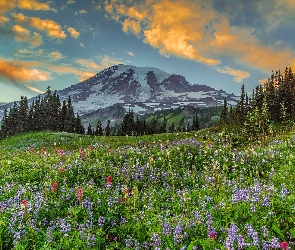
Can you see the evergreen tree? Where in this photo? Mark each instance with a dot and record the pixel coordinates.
(98, 129)
(223, 115)
(172, 128)
(79, 128)
(89, 130)
(108, 129)
(62, 116)
(4, 124)
(23, 125)
(128, 124)
(163, 126)
(196, 124)
(69, 125)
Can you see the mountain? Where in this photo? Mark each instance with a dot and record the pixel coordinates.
(142, 89)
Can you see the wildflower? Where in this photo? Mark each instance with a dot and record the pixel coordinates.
(54, 187)
(212, 235)
(284, 245)
(81, 152)
(80, 194)
(109, 180)
(43, 151)
(23, 204)
(62, 170)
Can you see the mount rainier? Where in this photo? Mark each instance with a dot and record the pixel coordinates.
(142, 89)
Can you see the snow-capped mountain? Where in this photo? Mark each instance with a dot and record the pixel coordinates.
(140, 88)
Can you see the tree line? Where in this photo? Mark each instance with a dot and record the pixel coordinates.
(135, 126)
(271, 105)
(45, 113)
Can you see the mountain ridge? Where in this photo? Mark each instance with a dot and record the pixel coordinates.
(145, 89)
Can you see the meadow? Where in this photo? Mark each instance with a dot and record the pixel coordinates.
(168, 191)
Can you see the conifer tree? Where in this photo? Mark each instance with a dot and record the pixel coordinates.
(99, 129)
(223, 115)
(128, 124)
(79, 128)
(195, 124)
(108, 129)
(23, 125)
(89, 130)
(69, 125)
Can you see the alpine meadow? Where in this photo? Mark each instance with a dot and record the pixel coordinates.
(230, 186)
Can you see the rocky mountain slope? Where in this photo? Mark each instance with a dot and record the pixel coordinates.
(142, 89)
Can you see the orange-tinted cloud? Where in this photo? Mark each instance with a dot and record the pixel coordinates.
(22, 71)
(195, 30)
(55, 55)
(3, 19)
(51, 27)
(24, 35)
(132, 26)
(239, 75)
(32, 5)
(74, 33)
(8, 5)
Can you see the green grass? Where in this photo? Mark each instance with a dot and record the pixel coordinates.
(176, 191)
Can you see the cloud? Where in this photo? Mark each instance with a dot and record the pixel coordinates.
(83, 12)
(20, 73)
(51, 27)
(239, 75)
(197, 31)
(74, 33)
(8, 5)
(32, 5)
(87, 68)
(3, 20)
(55, 55)
(82, 45)
(24, 35)
(71, 1)
(132, 26)
(130, 53)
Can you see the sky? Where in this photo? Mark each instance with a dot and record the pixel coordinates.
(220, 43)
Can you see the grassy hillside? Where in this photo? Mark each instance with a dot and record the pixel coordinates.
(168, 191)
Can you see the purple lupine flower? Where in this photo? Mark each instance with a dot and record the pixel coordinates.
(101, 221)
(167, 229)
(155, 241)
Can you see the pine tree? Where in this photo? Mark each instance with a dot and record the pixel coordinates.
(223, 115)
(79, 128)
(4, 128)
(196, 124)
(62, 116)
(163, 126)
(99, 129)
(23, 125)
(69, 125)
(108, 129)
(128, 124)
(89, 130)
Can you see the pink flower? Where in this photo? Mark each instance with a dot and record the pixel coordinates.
(109, 180)
(80, 194)
(81, 151)
(284, 245)
(23, 204)
(212, 236)
(54, 187)
(43, 151)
